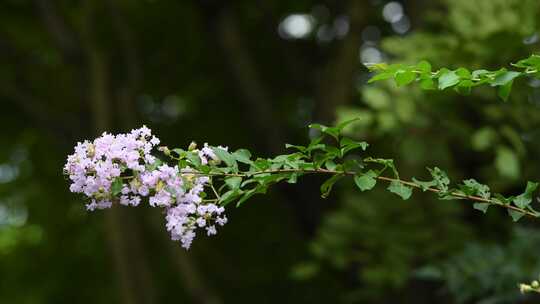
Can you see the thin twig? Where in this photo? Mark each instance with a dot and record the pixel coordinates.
(457, 195)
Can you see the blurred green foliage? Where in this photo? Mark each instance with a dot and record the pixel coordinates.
(487, 273)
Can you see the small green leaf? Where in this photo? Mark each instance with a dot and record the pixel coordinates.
(243, 156)
(427, 83)
(479, 73)
(366, 181)
(116, 186)
(424, 66)
(448, 79)
(404, 77)
(194, 159)
(505, 77)
(524, 199)
(502, 199)
(293, 178)
(299, 148)
(441, 178)
(334, 131)
(248, 194)
(463, 73)
(376, 67)
(515, 215)
(400, 189)
(326, 187)
(233, 182)
(481, 206)
(330, 165)
(472, 187)
(226, 157)
(381, 76)
(340, 126)
(464, 87)
(229, 196)
(348, 145)
(504, 91)
(425, 185)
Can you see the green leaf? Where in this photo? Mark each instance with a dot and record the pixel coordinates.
(524, 199)
(381, 76)
(293, 178)
(377, 67)
(334, 132)
(504, 77)
(116, 186)
(348, 145)
(326, 187)
(387, 163)
(472, 187)
(463, 73)
(248, 194)
(404, 77)
(441, 178)
(481, 206)
(515, 215)
(448, 79)
(502, 199)
(229, 196)
(504, 91)
(340, 126)
(261, 164)
(464, 87)
(479, 73)
(243, 156)
(233, 182)
(226, 157)
(194, 159)
(400, 189)
(366, 181)
(299, 148)
(425, 185)
(427, 83)
(424, 66)
(533, 61)
(330, 165)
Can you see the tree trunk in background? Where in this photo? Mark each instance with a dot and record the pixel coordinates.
(256, 98)
(135, 281)
(337, 83)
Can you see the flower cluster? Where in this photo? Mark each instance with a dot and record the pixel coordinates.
(121, 169)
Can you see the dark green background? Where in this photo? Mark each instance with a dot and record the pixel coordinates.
(221, 72)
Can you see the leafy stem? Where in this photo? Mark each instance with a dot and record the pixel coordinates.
(454, 194)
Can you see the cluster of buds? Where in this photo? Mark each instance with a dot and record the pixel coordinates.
(534, 286)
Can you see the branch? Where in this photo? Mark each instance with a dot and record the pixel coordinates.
(455, 194)
(461, 79)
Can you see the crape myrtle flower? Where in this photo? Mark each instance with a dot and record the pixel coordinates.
(122, 169)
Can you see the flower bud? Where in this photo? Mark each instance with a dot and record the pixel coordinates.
(91, 151)
(535, 284)
(214, 162)
(524, 288)
(165, 150)
(159, 186)
(192, 146)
